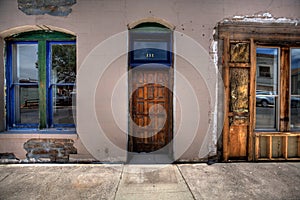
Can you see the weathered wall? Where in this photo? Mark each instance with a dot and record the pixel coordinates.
(51, 7)
(14, 143)
(94, 21)
(2, 71)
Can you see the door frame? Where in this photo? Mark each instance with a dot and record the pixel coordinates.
(165, 35)
(231, 35)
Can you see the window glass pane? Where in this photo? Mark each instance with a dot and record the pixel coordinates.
(25, 63)
(25, 99)
(267, 88)
(63, 77)
(295, 89)
(63, 63)
(62, 104)
(146, 50)
(26, 104)
(150, 43)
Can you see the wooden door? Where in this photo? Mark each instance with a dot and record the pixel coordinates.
(150, 109)
(239, 56)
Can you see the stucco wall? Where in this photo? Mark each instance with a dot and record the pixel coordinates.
(95, 21)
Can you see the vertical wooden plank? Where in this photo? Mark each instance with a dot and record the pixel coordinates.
(298, 145)
(42, 83)
(269, 147)
(226, 97)
(234, 141)
(285, 146)
(146, 108)
(284, 91)
(256, 151)
(243, 132)
(252, 98)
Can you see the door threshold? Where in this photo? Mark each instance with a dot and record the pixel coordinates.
(149, 158)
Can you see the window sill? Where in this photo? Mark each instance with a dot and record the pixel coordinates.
(279, 134)
(40, 131)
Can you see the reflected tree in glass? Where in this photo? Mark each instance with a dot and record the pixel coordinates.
(63, 77)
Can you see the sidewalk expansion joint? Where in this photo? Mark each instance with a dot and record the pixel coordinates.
(4, 177)
(186, 182)
(121, 176)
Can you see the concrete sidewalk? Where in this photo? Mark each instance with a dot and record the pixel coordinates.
(182, 181)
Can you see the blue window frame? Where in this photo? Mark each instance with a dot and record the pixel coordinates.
(40, 80)
(22, 84)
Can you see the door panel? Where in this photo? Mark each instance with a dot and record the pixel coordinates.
(238, 76)
(150, 109)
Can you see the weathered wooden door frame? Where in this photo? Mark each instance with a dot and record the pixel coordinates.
(239, 120)
(230, 36)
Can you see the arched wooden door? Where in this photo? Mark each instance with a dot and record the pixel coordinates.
(150, 81)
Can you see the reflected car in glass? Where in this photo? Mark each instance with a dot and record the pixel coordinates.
(264, 98)
(295, 102)
(63, 100)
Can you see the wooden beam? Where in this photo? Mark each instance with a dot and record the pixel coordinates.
(278, 159)
(263, 37)
(256, 151)
(42, 83)
(266, 32)
(298, 145)
(239, 65)
(252, 98)
(226, 97)
(285, 146)
(284, 89)
(277, 134)
(269, 147)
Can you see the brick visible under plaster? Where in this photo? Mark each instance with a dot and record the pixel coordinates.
(55, 149)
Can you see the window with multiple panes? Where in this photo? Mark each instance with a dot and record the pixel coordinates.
(261, 67)
(40, 79)
(269, 88)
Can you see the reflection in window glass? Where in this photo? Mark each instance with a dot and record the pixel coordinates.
(295, 89)
(63, 76)
(25, 83)
(25, 63)
(267, 88)
(264, 71)
(63, 63)
(150, 50)
(27, 104)
(62, 104)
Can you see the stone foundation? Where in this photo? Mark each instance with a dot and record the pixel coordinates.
(49, 149)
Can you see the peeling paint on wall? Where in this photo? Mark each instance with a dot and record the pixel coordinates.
(262, 18)
(213, 52)
(50, 7)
